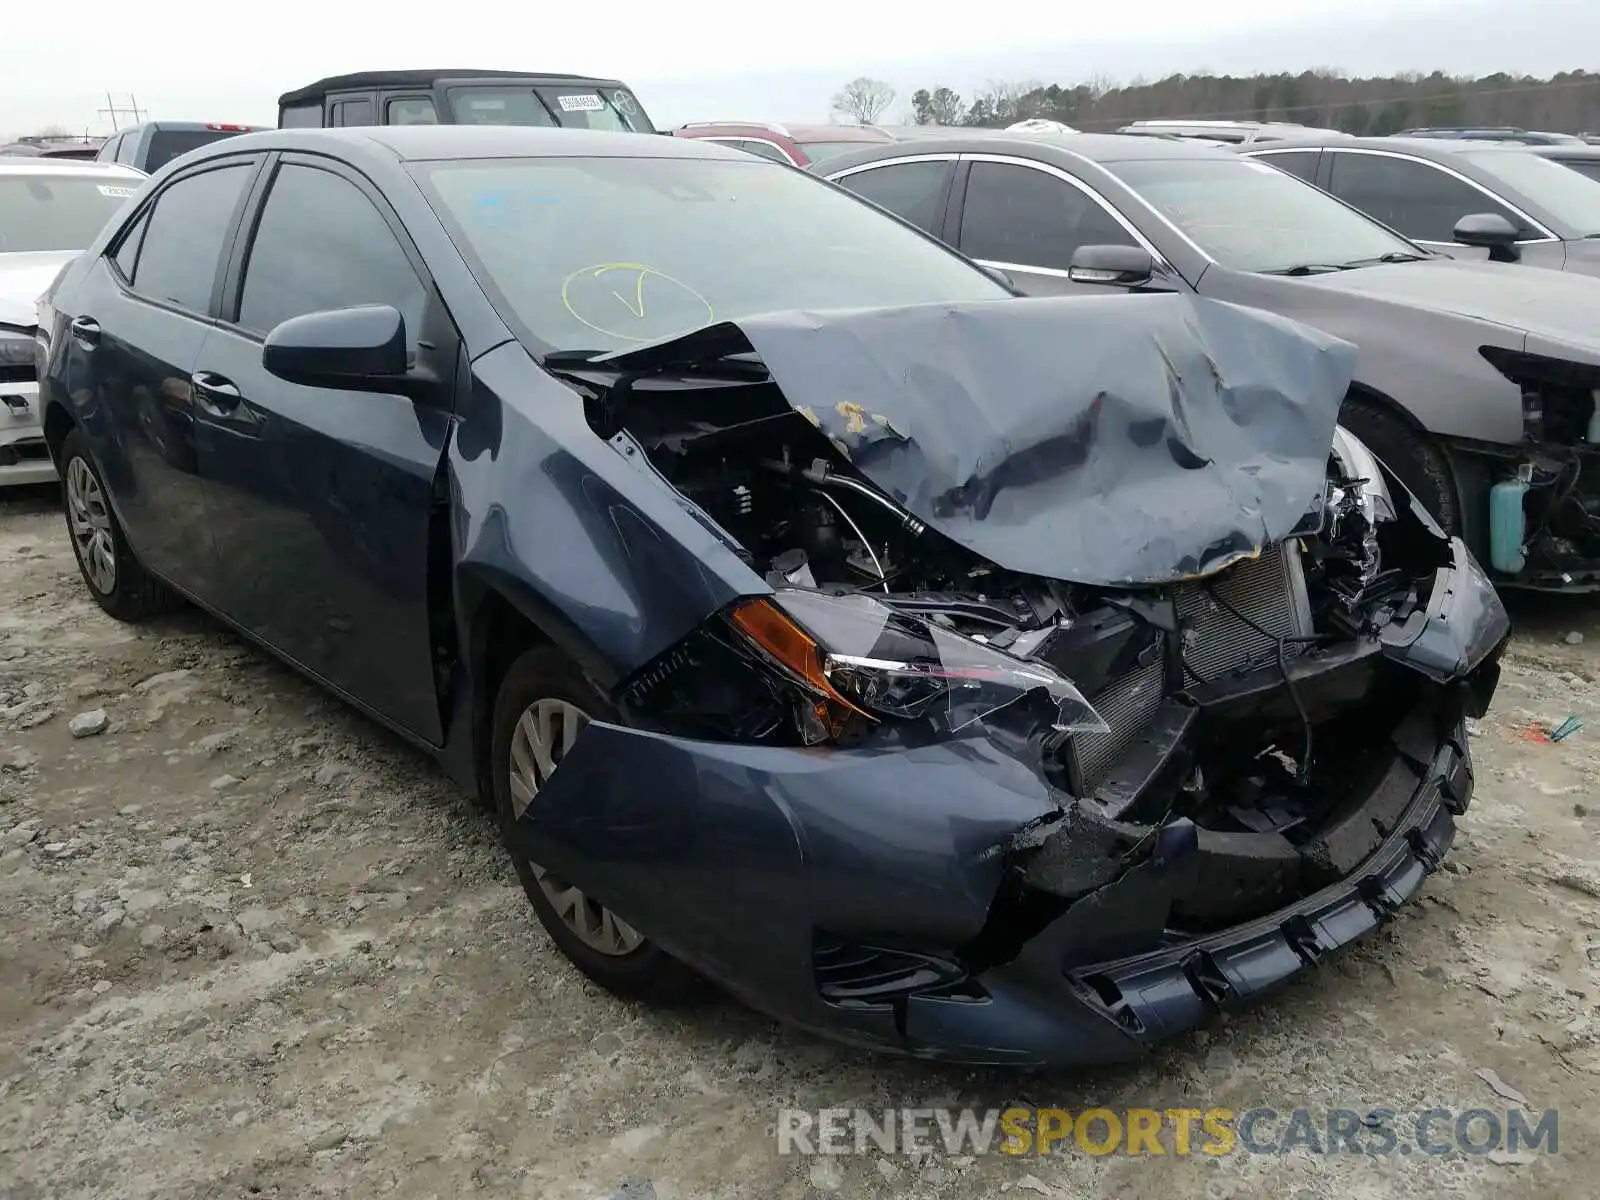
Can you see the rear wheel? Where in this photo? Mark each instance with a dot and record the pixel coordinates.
(542, 706)
(1410, 454)
(114, 576)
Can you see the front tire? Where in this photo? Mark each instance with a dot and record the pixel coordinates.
(542, 706)
(111, 571)
(1410, 454)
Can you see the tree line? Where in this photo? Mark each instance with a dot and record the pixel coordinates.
(1374, 105)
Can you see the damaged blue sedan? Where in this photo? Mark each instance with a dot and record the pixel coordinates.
(983, 679)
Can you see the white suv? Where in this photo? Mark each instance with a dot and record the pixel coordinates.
(50, 209)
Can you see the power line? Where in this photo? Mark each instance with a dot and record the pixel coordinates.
(112, 111)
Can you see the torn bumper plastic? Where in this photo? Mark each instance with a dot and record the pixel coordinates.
(845, 890)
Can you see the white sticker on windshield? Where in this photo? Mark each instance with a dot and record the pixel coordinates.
(587, 102)
(107, 189)
(626, 104)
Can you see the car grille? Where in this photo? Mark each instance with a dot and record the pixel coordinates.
(1269, 590)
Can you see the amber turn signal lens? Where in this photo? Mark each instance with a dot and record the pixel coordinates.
(765, 624)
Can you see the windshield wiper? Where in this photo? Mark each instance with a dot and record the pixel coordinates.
(737, 365)
(1394, 256)
(1307, 269)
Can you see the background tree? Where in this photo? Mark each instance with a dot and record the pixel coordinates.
(938, 107)
(863, 100)
(1327, 96)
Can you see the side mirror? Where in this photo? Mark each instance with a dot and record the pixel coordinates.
(1491, 232)
(361, 349)
(1117, 266)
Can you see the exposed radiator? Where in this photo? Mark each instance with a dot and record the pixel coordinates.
(1270, 590)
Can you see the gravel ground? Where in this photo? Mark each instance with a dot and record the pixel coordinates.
(251, 945)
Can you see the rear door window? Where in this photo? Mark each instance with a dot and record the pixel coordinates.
(410, 110)
(913, 191)
(354, 111)
(185, 235)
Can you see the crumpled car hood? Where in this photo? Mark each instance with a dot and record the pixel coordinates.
(1108, 440)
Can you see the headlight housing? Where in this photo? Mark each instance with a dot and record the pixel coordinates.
(854, 657)
(1359, 463)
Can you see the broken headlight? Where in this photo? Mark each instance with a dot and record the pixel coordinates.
(853, 657)
(1363, 474)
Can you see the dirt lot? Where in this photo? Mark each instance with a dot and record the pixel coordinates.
(252, 946)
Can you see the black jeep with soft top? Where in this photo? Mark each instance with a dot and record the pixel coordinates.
(441, 96)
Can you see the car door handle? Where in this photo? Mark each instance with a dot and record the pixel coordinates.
(86, 332)
(215, 392)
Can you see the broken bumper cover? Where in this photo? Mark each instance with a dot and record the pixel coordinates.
(842, 890)
(24, 457)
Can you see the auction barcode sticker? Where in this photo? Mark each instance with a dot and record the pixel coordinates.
(586, 102)
(107, 189)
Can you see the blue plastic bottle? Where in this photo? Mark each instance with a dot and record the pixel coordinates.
(1507, 523)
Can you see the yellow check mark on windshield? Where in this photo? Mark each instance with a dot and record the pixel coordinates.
(636, 307)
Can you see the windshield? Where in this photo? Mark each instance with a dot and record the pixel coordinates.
(606, 253)
(821, 151)
(1571, 199)
(57, 212)
(1252, 217)
(609, 108)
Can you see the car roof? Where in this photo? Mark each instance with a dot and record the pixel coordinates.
(1585, 152)
(427, 77)
(421, 143)
(67, 166)
(1421, 147)
(158, 126)
(798, 133)
(919, 133)
(1097, 147)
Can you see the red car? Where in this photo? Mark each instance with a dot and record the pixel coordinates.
(799, 145)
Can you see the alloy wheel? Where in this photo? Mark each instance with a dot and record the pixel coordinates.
(545, 732)
(90, 522)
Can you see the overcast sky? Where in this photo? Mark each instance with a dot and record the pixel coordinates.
(701, 59)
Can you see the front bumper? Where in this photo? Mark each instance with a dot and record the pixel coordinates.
(855, 893)
(24, 458)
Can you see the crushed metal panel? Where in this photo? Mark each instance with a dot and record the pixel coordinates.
(1110, 440)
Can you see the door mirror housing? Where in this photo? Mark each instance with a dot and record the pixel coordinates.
(1491, 232)
(359, 349)
(1114, 266)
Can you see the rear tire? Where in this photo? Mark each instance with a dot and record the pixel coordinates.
(541, 703)
(110, 569)
(1410, 454)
